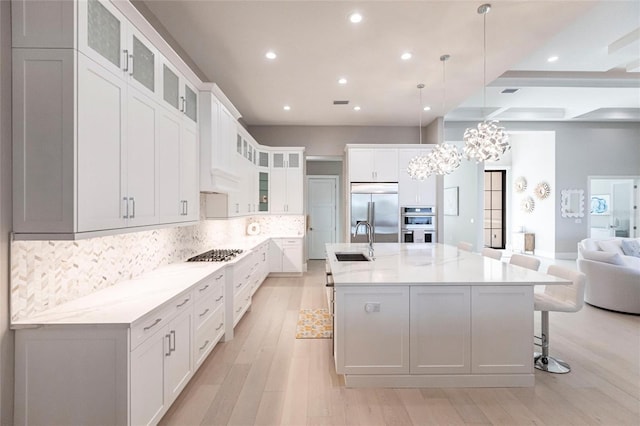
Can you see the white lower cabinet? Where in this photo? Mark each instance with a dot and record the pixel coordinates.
(440, 314)
(458, 335)
(285, 255)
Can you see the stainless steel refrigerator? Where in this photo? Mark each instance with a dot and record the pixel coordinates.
(376, 203)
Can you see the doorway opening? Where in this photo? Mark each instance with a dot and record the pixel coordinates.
(613, 207)
(494, 208)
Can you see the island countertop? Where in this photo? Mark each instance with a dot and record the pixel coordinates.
(427, 264)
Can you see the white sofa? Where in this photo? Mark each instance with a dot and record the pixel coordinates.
(613, 278)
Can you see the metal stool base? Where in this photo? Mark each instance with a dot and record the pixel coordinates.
(550, 364)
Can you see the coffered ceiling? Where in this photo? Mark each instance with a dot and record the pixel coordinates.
(596, 75)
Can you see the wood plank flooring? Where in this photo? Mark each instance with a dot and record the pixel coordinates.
(264, 376)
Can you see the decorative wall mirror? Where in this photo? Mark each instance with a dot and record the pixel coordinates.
(572, 203)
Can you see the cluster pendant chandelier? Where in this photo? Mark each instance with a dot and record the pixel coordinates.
(488, 141)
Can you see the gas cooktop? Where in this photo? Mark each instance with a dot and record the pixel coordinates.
(215, 255)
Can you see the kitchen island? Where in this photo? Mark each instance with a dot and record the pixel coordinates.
(431, 315)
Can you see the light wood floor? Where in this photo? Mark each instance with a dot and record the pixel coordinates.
(267, 377)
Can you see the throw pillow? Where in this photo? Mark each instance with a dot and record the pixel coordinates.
(603, 256)
(631, 247)
(611, 246)
(590, 244)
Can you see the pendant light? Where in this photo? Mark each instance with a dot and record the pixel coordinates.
(488, 141)
(444, 157)
(419, 167)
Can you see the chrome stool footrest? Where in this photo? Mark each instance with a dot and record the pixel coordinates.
(550, 364)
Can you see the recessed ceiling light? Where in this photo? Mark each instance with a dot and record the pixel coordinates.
(427, 108)
(355, 17)
(286, 108)
(270, 55)
(405, 56)
(356, 108)
(342, 80)
(552, 58)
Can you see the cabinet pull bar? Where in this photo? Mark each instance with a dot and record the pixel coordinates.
(126, 208)
(239, 285)
(204, 313)
(133, 207)
(219, 298)
(126, 59)
(204, 288)
(172, 348)
(219, 276)
(149, 327)
(168, 345)
(220, 326)
(180, 305)
(204, 345)
(183, 104)
(131, 65)
(239, 309)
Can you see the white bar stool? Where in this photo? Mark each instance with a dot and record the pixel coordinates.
(557, 298)
(492, 253)
(463, 245)
(525, 261)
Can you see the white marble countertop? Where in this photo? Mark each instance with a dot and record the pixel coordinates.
(130, 300)
(427, 264)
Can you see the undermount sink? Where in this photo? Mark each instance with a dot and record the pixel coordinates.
(351, 257)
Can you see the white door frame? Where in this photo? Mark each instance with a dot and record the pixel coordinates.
(336, 181)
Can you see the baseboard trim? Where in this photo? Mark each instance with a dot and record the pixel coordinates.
(440, 381)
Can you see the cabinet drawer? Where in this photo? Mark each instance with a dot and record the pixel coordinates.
(213, 283)
(241, 303)
(143, 329)
(208, 335)
(206, 307)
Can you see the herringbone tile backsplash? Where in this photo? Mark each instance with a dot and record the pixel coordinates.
(47, 273)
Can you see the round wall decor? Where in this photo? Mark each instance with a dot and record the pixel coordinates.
(520, 184)
(527, 205)
(542, 190)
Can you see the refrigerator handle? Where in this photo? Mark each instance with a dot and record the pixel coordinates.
(372, 220)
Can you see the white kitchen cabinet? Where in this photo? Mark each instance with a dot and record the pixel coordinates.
(440, 330)
(177, 146)
(217, 144)
(372, 330)
(287, 183)
(373, 164)
(414, 192)
(285, 255)
(89, 160)
(498, 342)
(179, 94)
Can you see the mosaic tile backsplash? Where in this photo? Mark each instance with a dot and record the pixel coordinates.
(48, 273)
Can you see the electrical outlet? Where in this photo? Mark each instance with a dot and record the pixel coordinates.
(372, 307)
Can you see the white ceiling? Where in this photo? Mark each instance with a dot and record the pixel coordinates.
(596, 76)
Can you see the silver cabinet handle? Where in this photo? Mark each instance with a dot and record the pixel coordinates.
(168, 345)
(133, 207)
(220, 326)
(219, 276)
(149, 327)
(239, 309)
(219, 298)
(126, 208)
(204, 313)
(239, 285)
(186, 207)
(172, 348)
(126, 59)
(204, 288)
(131, 65)
(183, 104)
(180, 305)
(204, 345)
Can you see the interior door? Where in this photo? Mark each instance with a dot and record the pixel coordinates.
(322, 214)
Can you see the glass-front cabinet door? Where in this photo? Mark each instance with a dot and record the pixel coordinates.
(170, 87)
(190, 107)
(263, 191)
(142, 62)
(263, 159)
(101, 37)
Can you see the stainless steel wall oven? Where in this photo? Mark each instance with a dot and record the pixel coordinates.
(418, 224)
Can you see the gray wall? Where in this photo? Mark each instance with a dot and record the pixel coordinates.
(582, 150)
(6, 336)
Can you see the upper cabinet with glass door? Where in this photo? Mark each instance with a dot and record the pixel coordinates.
(109, 39)
(286, 160)
(178, 92)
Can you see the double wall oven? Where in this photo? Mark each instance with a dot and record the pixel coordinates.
(418, 224)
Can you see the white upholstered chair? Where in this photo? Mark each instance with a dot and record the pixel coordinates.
(463, 245)
(525, 261)
(492, 253)
(557, 298)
